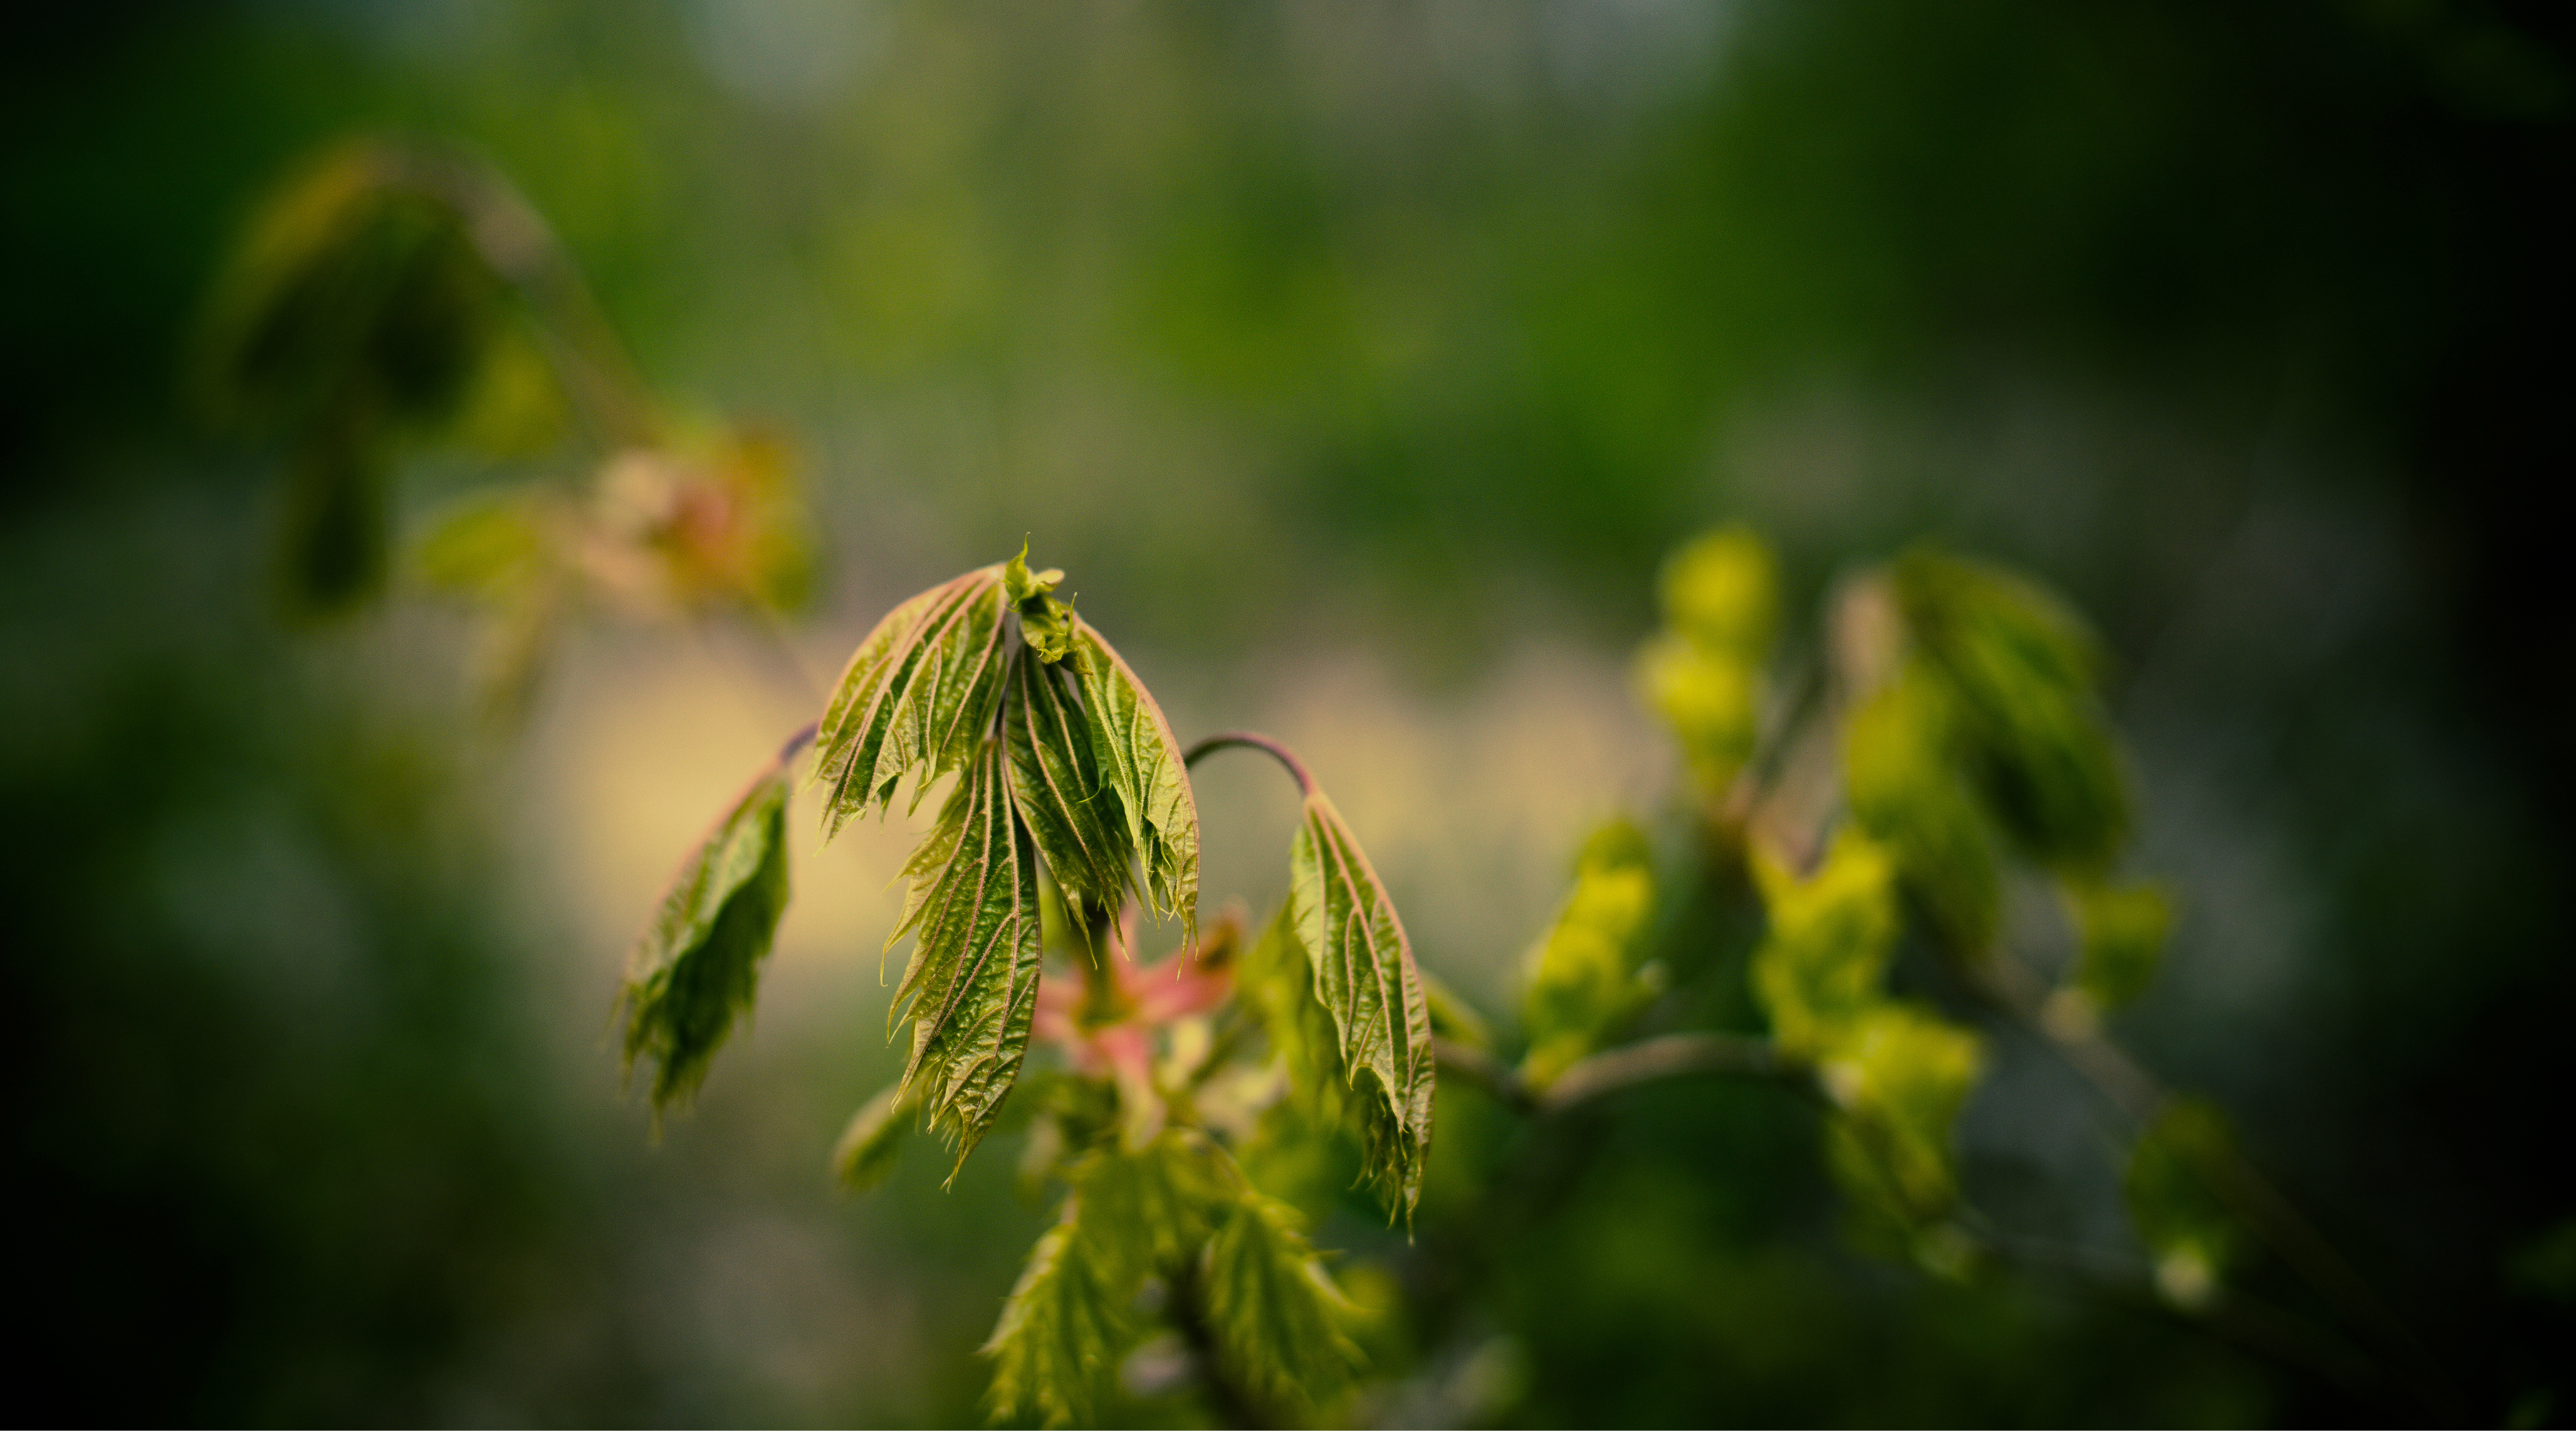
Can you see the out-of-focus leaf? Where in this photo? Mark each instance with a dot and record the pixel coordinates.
(2187, 1229)
(866, 1154)
(1364, 976)
(357, 288)
(2021, 668)
(488, 547)
(1063, 1328)
(1583, 979)
(917, 695)
(1900, 773)
(1721, 592)
(1820, 966)
(2124, 928)
(334, 539)
(1278, 977)
(1452, 1017)
(971, 985)
(1898, 1074)
(1279, 1323)
(1142, 763)
(698, 964)
(1070, 1319)
(1709, 700)
(1070, 809)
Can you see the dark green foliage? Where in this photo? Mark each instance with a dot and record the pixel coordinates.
(1364, 975)
(972, 982)
(2019, 669)
(698, 965)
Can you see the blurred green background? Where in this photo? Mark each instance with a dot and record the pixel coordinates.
(1359, 360)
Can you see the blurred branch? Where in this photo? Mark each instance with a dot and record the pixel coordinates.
(2016, 992)
(1650, 1060)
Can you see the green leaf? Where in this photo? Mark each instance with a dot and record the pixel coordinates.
(918, 696)
(972, 982)
(1279, 1323)
(1063, 1328)
(1070, 1319)
(1142, 763)
(1364, 976)
(2187, 1228)
(2021, 668)
(868, 1148)
(699, 962)
(357, 288)
(2123, 930)
(1902, 776)
(1583, 980)
(1070, 809)
(1045, 623)
(1823, 960)
(1709, 699)
(1899, 1074)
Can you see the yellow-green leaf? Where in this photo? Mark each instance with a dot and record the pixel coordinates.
(1902, 776)
(1583, 978)
(698, 964)
(1722, 593)
(1365, 977)
(1821, 964)
(1899, 1074)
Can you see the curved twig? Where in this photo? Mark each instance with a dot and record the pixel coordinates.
(1254, 739)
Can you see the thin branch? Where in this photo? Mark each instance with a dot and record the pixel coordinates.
(1653, 1060)
(1255, 740)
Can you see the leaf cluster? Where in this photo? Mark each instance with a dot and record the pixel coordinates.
(1585, 980)
(1703, 671)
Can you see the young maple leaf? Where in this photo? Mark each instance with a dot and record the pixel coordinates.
(1106, 1025)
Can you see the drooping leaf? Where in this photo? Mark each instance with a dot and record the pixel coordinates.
(1278, 1321)
(1070, 809)
(1902, 774)
(917, 696)
(1142, 764)
(358, 287)
(2189, 1233)
(1583, 977)
(698, 964)
(2123, 929)
(2021, 668)
(971, 985)
(1823, 960)
(866, 1154)
(1364, 977)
